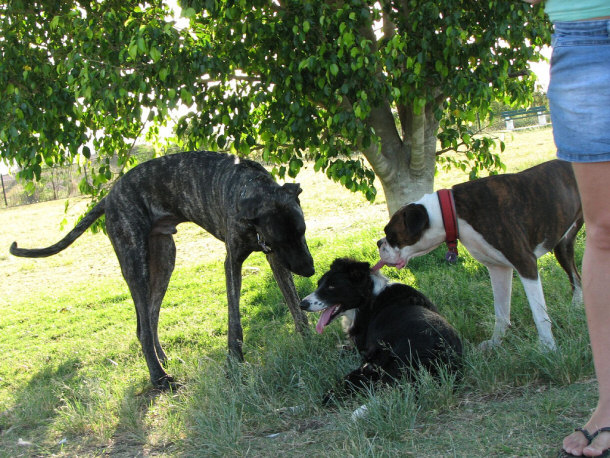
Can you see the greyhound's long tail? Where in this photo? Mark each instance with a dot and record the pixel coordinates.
(75, 233)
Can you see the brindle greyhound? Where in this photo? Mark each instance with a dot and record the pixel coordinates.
(236, 200)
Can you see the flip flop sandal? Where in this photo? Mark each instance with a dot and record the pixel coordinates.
(588, 436)
(606, 429)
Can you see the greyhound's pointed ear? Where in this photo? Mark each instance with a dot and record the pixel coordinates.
(416, 218)
(249, 209)
(293, 189)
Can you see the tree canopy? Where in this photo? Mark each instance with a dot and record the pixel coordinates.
(361, 88)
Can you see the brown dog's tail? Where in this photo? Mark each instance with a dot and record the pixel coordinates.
(75, 233)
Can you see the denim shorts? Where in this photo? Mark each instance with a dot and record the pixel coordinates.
(579, 90)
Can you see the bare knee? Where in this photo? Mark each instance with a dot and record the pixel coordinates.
(598, 235)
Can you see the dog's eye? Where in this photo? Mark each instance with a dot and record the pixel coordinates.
(331, 287)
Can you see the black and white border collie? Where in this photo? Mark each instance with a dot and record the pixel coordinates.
(395, 328)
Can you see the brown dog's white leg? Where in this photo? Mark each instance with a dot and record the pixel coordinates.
(501, 283)
(535, 296)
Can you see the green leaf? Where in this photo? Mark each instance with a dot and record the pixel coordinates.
(221, 141)
(30, 187)
(418, 105)
(186, 96)
(188, 12)
(155, 54)
(141, 45)
(133, 50)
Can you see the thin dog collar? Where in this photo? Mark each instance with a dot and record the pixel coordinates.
(445, 199)
(266, 248)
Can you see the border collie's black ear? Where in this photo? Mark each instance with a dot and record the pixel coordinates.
(360, 272)
(341, 264)
(356, 270)
(416, 218)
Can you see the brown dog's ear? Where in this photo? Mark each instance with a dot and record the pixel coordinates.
(416, 218)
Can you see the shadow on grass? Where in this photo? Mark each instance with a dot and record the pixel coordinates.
(36, 407)
(218, 413)
(66, 409)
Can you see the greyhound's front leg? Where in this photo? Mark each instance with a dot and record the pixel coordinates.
(284, 279)
(233, 266)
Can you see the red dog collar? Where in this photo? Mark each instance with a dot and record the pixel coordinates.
(445, 198)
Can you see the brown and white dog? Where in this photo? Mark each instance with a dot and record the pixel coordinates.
(506, 222)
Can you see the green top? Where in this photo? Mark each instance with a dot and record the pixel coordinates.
(572, 10)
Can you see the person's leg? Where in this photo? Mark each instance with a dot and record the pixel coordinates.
(594, 186)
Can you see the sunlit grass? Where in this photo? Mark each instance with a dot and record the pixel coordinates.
(73, 380)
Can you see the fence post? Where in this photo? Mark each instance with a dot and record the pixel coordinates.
(542, 119)
(3, 190)
(53, 183)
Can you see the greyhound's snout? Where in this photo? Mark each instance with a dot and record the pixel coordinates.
(304, 269)
(380, 242)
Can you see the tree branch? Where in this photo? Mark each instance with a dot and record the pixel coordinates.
(381, 120)
(462, 143)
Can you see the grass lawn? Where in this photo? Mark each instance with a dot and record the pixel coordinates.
(73, 381)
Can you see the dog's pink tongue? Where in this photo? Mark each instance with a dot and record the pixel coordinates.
(378, 266)
(325, 318)
(399, 265)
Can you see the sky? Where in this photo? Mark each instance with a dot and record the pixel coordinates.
(541, 69)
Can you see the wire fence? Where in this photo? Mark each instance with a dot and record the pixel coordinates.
(58, 182)
(55, 183)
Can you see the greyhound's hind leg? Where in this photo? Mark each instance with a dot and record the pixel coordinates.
(162, 259)
(131, 248)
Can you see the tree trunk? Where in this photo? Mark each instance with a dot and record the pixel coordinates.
(406, 187)
(404, 166)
